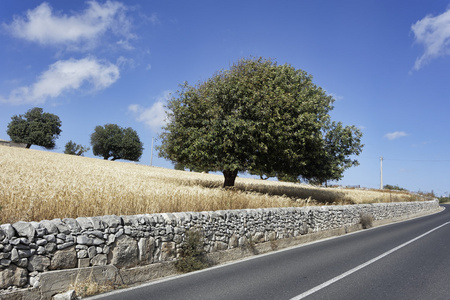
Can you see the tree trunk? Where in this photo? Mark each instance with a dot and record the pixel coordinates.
(230, 178)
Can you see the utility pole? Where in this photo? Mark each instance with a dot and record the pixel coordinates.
(151, 155)
(381, 172)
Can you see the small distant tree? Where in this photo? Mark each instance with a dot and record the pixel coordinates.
(393, 187)
(115, 142)
(35, 127)
(75, 149)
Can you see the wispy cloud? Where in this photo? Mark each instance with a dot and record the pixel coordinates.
(77, 31)
(336, 97)
(434, 34)
(153, 19)
(63, 76)
(153, 116)
(395, 135)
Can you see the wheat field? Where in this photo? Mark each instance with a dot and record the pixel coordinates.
(37, 185)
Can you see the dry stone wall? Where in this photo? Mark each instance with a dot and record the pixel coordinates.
(27, 249)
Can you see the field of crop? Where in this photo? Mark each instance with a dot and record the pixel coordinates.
(37, 185)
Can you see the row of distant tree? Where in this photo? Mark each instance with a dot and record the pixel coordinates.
(40, 128)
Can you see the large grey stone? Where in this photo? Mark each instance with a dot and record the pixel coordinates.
(50, 227)
(65, 245)
(112, 220)
(23, 262)
(8, 230)
(146, 247)
(98, 223)
(73, 224)
(14, 255)
(85, 223)
(50, 247)
(234, 241)
(82, 254)
(69, 295)
(99, 260)
(219, 246)
(13, 276)
(62, 227)
(2, 234)
(64, 259)
(98, 241)
(92, 251)
(84, 240)
(38, 263)
(84, 262)
(130, 220)
(24, 253)
(51, 238)
(95, 233)
(124, 252)
(5, 262)
(167, 251)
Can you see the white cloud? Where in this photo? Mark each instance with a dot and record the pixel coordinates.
(434, 34)
(336, 97)
(44, 26)
(65, 75)
(154, 19)
(153, 116)
(395, 135)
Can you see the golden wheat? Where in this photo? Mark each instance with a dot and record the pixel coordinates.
(37, 185)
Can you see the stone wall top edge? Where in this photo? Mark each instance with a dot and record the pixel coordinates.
(101, 222)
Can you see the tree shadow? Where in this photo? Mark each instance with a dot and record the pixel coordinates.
(296, 192)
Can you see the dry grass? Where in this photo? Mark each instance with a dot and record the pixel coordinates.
(37, 185)
(90, 287)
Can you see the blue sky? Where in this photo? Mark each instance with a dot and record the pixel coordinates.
(387, 64)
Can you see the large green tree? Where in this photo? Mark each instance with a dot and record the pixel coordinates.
(260, 117)
(35, 127)
(116, 142)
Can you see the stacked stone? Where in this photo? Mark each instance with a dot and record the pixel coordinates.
(30, 248)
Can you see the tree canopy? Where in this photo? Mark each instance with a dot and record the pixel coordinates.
(116, 142)
(75, 149)
(260, 117)
(35, 127)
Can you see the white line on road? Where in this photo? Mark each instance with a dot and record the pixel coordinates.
(343, 275)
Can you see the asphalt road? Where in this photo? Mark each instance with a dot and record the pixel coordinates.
(407, 260)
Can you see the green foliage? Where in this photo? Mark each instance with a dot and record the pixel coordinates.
(192, 255)
(35, 128)
(442, 199)
(287, 178)
(178, 166)
(75, 149)
(393, 187)
(116, 142)
(340, 144)
(260, 117)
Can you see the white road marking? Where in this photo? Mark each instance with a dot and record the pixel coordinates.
(343, 275)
